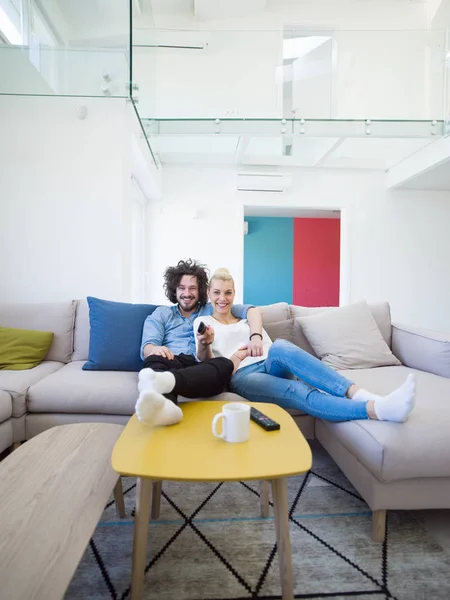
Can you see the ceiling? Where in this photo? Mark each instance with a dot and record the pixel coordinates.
(210, 10)
(95, 12)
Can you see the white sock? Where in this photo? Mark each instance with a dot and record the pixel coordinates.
(152, 408)
(162, 382)
(397, 405)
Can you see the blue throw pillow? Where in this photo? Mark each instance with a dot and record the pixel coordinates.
(116, 334)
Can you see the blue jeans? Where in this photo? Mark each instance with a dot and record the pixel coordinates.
(320, 393)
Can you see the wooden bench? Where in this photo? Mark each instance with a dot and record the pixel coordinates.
(53, 490)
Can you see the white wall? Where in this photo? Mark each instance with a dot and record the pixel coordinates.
(395, 244)
(65, 211)
(200, 218)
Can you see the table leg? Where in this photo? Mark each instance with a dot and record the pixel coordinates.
(264, 498)
(141, 519)
(280, 504)
(156, 499)
(118, 498)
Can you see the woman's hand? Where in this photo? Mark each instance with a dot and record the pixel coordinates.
(255, 347)
(207, 337)
(241, 353)
(238, 357)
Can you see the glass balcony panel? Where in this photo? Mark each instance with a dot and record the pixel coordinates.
(69, 48)
(291, 73)
(351, 149)
(63, 71)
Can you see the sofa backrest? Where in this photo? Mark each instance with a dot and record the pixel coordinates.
(81, 331)
(275, 313)
(279, 323)
(57, 317)
(278, 319)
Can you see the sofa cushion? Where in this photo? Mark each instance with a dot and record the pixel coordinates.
(282, 330)
(422, 349)
(81, 331)
(73, 390)
(6, 434)
(381, 312)
(18, 382)
(300, 339)
(274, 313)
(115, 335)
(394, 451)
(57, 317)
(22, 349)
(5, 406)
(347, 338)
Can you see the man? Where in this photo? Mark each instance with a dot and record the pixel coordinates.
(168, 347)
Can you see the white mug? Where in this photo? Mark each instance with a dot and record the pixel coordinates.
(235, 423)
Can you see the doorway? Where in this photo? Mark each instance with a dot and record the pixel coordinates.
(294, 259)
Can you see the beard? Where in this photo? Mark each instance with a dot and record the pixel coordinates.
(188, 303)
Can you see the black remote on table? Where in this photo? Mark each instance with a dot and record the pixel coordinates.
(263, 420)
(201, 328)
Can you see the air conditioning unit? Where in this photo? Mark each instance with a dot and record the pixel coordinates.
(257, 182)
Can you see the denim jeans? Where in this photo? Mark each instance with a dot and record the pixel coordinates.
(320, 393)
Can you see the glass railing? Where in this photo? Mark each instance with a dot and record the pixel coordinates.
(377, 75)
(67, 49)
(353, 143)
(63, 71)
(290, 95)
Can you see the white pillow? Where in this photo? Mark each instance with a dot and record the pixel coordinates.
(347, 338)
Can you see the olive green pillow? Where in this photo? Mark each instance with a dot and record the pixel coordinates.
(23, 348)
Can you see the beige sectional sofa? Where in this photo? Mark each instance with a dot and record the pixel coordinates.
(393, 466)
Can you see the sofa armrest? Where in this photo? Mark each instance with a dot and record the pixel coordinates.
(422, 349)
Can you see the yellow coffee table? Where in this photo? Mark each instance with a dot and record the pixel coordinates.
(188, 451)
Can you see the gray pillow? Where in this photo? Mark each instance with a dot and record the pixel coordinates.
(282, 330)
(347, 338)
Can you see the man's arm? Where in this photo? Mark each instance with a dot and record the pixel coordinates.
(153, 336)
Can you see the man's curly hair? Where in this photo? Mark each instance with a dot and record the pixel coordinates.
(172, 276)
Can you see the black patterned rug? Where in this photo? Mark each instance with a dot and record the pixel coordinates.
(210, 543)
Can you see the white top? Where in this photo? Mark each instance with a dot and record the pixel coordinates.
(229, 338)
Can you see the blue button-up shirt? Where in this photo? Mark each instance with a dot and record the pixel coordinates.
(167, 327)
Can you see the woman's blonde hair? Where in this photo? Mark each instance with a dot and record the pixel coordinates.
(221, 275)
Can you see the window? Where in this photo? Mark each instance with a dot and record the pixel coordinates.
(11, 21)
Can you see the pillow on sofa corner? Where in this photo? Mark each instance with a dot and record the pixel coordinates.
(22, 349)
(115, 335)
(283, 330)
(347, 338)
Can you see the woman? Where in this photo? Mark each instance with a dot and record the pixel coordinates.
(322, 392)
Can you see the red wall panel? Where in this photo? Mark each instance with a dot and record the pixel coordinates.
(316, 262)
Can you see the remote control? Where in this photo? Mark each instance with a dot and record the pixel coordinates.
(263, 420)
(201, 328)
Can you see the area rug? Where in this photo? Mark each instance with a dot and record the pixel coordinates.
(210, 543)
